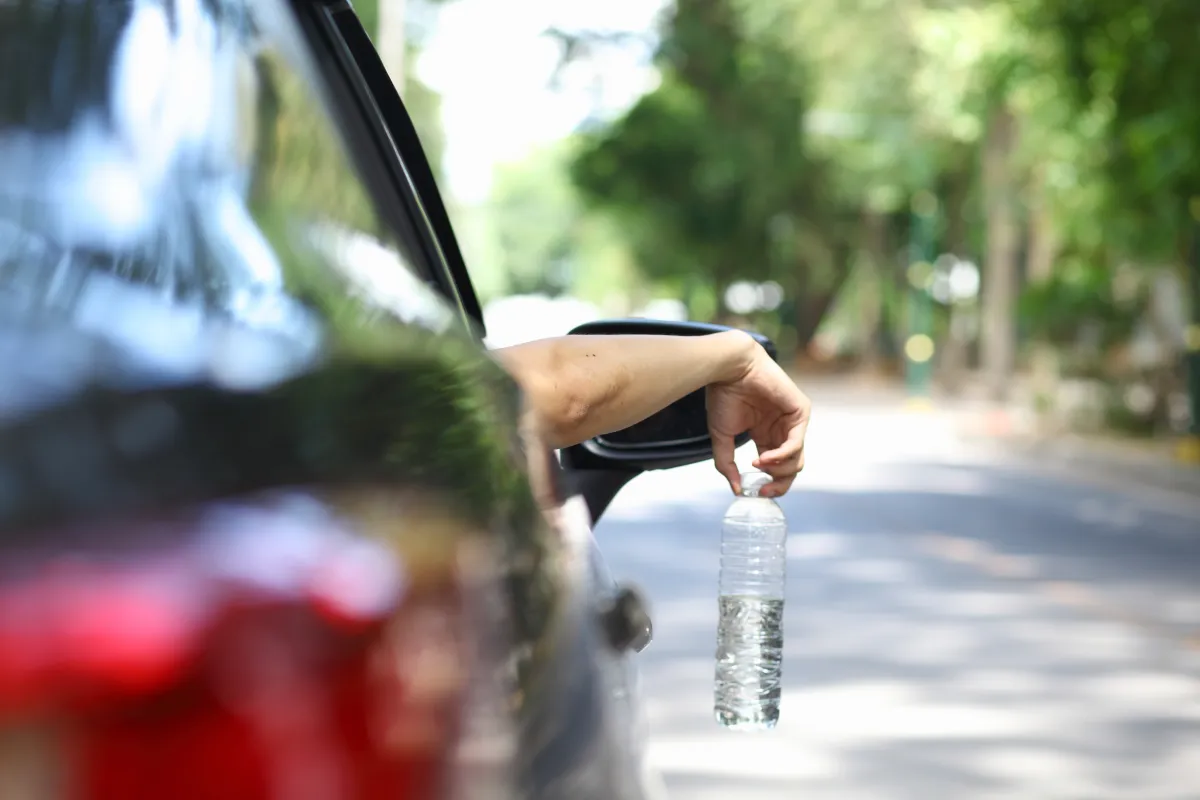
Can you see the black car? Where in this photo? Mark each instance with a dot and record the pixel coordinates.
(269, 524)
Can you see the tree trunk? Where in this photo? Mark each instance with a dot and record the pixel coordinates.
(811, 305)
(1192, 343)
(998, 340)
(955, 354)
(957, 190)
(392, 41)
(810, 312)
(1043, 251)
(876, 264)
(1043, 235)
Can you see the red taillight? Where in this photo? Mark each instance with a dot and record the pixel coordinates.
(278, 710)
(73, 630)
(306, 669)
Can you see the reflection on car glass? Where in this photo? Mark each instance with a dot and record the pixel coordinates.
(128, 220)
(376, 274)
(159, 193)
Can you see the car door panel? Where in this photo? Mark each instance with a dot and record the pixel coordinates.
(573, 690)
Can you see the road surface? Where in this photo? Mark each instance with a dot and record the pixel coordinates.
(955, 627)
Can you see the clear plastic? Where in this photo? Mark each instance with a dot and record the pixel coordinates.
(750, 628)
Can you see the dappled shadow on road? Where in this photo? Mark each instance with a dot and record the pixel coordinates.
(915, 667)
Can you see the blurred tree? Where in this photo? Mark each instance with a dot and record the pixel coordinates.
(536, 218)
(1060, 136)
(1138, 66)
(907, 94)
(542, 239)
(971, 59)
(710, 174)
(1078, 302)
(869, 116)
(1133, 72)
(863, 123)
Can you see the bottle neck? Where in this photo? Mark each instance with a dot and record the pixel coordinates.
(753, 482)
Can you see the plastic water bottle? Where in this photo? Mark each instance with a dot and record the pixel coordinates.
(750, 629)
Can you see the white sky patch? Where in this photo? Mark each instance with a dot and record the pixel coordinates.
(492, 65)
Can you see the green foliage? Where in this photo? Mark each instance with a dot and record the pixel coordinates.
(367, 12)
(1079, 299)
(536, 236)
(710, 174)
(1136, 68)
(781, 132)
(536, 218)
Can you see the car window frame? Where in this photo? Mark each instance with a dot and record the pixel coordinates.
(384, 142)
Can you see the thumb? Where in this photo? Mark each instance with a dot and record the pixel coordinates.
(722, 447)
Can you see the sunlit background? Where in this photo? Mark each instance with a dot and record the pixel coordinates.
(972, 229)
(969, 195)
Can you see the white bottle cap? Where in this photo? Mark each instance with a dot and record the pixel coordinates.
(752, 482)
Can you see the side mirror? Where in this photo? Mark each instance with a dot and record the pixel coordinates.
(673, 437)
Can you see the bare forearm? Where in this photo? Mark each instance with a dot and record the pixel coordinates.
(582, 386)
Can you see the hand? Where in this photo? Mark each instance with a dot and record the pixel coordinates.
(766, 402)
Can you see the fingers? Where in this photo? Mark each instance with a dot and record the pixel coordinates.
(779, 486)
(792, 446)
(723, 460)
(784, 474)
(781, 469)
(784, 462)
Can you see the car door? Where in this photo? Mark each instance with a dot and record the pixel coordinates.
(578, 735)
(371, 104)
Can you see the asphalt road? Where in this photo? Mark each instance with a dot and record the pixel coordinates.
(956, 626)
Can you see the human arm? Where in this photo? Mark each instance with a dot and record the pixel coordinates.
(581, 386)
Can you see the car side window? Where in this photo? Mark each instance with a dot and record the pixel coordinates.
(177, 186)
(421, 195)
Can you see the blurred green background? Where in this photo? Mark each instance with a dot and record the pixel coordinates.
(992, 197)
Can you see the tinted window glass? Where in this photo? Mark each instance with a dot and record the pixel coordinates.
(177, 205)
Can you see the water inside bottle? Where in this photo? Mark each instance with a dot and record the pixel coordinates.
(749, 662)
(750, 627)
